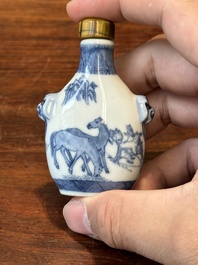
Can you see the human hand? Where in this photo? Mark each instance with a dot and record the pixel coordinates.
(177, 18)
(158, 223)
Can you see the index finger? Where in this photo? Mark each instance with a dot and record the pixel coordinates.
(178, 18)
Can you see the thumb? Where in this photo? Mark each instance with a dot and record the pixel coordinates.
(139, 221)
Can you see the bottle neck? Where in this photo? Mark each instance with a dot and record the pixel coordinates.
(97, 57)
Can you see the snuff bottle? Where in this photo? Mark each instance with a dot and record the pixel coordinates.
(95, 126)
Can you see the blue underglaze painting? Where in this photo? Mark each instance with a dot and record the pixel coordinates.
(79, 185)
(82, 90)
(79, 161)
(96, 59)
(125, 156)
(75, 144)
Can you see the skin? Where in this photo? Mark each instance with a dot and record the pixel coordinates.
(158, 218)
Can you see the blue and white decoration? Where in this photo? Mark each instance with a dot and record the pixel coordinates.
(76, 145)
(81, 89)
(92, 148)
(95, 127)
(96, 59)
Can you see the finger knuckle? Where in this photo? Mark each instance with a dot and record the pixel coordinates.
(109, 222)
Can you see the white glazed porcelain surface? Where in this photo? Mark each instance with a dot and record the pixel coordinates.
(94, 132)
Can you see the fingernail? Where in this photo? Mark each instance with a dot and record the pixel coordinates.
(75, 214)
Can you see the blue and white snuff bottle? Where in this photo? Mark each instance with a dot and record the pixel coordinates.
(95, 126)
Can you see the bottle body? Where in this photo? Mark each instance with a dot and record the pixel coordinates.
(94, 127)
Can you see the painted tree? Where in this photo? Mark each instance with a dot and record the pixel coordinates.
(125, 156)
(81, 89)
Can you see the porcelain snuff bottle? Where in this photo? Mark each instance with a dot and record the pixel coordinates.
(95, 126)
